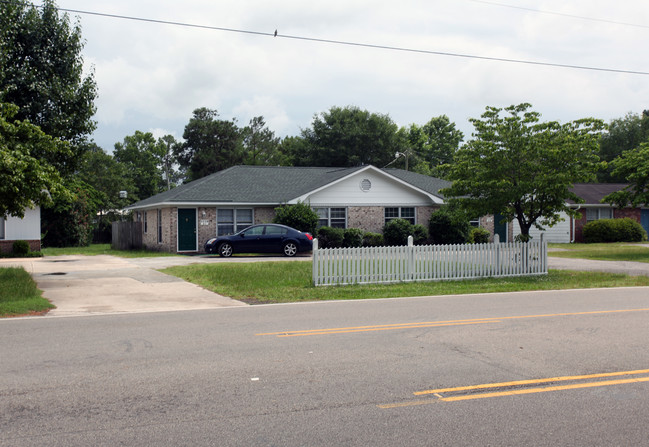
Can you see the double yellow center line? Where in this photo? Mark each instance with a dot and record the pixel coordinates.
(427, 324)
(519, 387)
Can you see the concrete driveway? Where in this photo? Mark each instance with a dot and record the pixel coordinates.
(86, 285)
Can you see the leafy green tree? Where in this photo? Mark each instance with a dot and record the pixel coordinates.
(166, 147)
(293, 150)
(260, 145)
(211, 145)
(523, 168)
(25, 180)
(632, 166)
(434, 144)
(41, 71)
(141, 158)
(350, 136)
(624, 134)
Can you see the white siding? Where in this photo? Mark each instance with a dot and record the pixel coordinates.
(560, 233)
(383, 192)
(27, 228)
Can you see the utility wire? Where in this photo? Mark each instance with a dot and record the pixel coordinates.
(572, 16)
(352, 44)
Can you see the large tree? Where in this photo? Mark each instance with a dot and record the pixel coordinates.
(349, 136)
(260, 145)
(624, 134)
(211, 144)
(142, 159)
(25, 181)
(434, 144)
(522, 168)
(41, 71)
(633, 167)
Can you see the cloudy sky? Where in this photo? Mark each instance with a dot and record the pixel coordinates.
(151, 76)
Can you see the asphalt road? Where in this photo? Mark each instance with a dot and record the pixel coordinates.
(337, 374)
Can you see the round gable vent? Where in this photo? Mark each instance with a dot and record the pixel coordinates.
(366, 185)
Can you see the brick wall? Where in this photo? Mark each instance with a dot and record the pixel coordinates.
(264, 215)
(633, 213)
(368, 218)
(206, 226)
(7, 246)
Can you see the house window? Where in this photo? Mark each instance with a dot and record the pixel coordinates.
(230, 221)
(400, 213)
(159, 226)
(598, 213)
(2, 227)
(332, 217)
(146, 227)
(475, 222)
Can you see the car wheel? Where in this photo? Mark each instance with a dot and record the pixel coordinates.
(290, 249)
(225, 250)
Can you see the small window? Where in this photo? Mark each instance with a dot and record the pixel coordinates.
(159, 226)
(230, 221)
(332, 217)
(146, 227)
(598, 213)
(2, 227)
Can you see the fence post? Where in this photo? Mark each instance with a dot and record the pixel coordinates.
(314, 266)
(411, 258)
(497, 249)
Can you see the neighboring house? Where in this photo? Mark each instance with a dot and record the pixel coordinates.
(571, 230)
(26, 229)
(365, 197)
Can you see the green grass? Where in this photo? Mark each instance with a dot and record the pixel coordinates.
(103, 249)
(19, 294)
(281, 282)
(603, 252)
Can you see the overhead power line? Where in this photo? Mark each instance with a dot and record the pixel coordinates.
(562, 14)
(274, 34)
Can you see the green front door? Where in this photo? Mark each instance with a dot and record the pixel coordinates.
(186, 229)
(500, 228)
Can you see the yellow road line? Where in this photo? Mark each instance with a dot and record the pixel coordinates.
(531, 381)
(385, 327)
(544, 389)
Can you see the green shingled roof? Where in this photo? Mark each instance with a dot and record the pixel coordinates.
(271, 185)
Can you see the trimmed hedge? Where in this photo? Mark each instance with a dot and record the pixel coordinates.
(479, 236)
(373, 240)
(329, 237)
(20, 248)
(396, 232)
(614, 230)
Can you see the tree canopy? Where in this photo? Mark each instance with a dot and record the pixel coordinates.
(350, 136)
(633, 166)
(624, 134)
(522, 168)
(434, 144)
(142, 159)
(25, 181)
(41, 71)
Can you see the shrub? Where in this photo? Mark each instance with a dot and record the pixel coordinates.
(20, 247)
(447, 227)
(479, 236)
(299, 216)
(419, 234)
(329, 237)
(372, 239)
(614, 230)
(353, 237)
(396, 232)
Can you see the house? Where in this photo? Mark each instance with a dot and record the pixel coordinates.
(26, 229)
(182, 219)
(571, 230)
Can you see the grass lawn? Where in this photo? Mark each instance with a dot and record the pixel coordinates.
(19, 294)
(603, 252)
(282, 282)
(103, 249)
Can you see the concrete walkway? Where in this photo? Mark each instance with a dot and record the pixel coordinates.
(86, 285)
(624, 267)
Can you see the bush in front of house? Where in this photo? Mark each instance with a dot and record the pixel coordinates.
(373, 239)
(614, 230)
(353, 237)
(20, 248)
(396, 232)
(478, 236)
(329, 237)
(299, 216)
(419, 234)
(448, 227)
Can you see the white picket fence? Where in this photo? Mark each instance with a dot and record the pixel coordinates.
(372, 265)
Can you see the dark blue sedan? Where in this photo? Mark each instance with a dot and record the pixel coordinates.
(265, 238)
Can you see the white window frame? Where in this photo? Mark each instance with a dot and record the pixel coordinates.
(400, 209)
(593, 214)
(236, 223)
(325, 219)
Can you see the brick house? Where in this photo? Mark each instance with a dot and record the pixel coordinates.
(27, 229)
(571, 230)
(365, 197)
